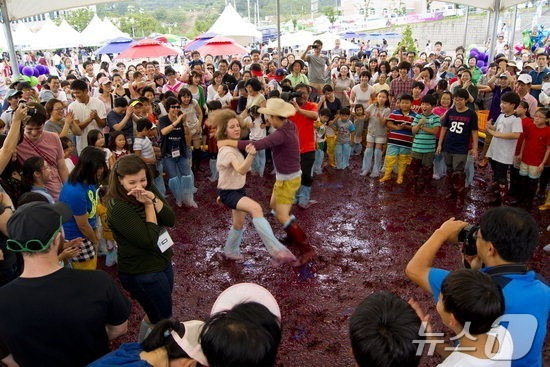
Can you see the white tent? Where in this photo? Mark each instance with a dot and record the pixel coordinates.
(18, 9)
(95, 33)
(297, 40)
(71, 36)
(112, 30)
(230, 24)
(22, 36)
(48, 37)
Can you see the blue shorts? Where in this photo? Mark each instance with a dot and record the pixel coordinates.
(231, 197)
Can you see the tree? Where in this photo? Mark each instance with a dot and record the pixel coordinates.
(407, 41)
(332, 14)
(79, 18)
(141, 24)
(204, 23)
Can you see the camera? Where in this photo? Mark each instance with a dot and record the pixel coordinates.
(287, 96)
(468, 237)
(314, 47)
(31, 111)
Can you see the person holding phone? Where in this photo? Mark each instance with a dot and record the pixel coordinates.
(318, 65)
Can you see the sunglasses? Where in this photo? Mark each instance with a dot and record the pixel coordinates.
(175, 107)
(32, 245)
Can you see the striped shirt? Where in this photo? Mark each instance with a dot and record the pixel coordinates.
(402, 137)
(425, 142)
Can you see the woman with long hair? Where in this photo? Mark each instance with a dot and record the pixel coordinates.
(137, 215)
(232, 168)
(342, 85)
(377, 113)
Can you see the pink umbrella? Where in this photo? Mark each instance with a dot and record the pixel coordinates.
(222, 46)
(146, 48)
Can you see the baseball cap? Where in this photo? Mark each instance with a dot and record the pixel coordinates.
(12, 93)
(104, 80)
(525, 78)
(503, 75)
(135, 102)
(231, 297)
(33, 226)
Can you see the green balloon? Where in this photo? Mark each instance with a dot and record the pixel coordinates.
(25, 78)
(33, 81)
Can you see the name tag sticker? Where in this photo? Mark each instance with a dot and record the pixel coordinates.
(165, 241)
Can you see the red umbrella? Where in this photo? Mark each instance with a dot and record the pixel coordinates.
(147, 48)
(222, 46)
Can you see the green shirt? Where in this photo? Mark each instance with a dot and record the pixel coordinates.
(138, 252)
(425, 142)
(295, 80)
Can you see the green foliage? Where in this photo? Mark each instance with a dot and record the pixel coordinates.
(141, 24)
(203, 24)
(79, 18)
(407, 41)
(331, 13)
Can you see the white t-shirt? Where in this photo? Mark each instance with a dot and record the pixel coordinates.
(362, 97)
(69, 163)
(501, 359)
(256, 131)
(225, 100)
(503, 150)
(81, 112)
(145, 146)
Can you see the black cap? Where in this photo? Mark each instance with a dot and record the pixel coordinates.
(37, 221)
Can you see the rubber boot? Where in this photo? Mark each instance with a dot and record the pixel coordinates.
(144, 330)
(232, 248)
(304, 200)
(174, 184)
(390, 162)
(159, 181)
(503, 194)
(278, 251)
(187, 191)
(459, 187)
(377, 163)
(529, 193)
(546, 204)
(413, 174)
(297, 236)
(318, 164)
(516, 183)
(451, 194)
(367, 161)
(426, 174)
(402, 161)
(213, 170)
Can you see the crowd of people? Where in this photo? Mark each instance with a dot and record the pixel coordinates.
(94, 158)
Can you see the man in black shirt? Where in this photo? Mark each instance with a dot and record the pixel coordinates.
(228, 79)
(54, 316)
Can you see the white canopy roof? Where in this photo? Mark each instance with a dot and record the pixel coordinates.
(487, 4)
(47, 37)
(232, 25)
(18, 9)
(71, 35)
(112, 30)
(97, 32)
(22, 36)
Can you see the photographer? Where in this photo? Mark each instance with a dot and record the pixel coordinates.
(318, 65)
(500, 246)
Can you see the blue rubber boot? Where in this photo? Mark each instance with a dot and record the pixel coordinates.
(232, 248)
(377, 163)
(277, 250)
(187, 191)
(174, 184)
(367, 161)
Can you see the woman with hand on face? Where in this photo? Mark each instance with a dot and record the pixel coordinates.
(61, 122)
(137, 215)
(232, 168)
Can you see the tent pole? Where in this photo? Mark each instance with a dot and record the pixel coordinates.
(488, 26)
(279, 29)
(9, 38)
(466, 26)
(512, 36)
(491, 51)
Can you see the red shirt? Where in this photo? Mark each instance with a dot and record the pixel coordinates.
(305, 127)
(537, 141)
(415, 106)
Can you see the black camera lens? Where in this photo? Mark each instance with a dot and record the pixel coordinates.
(468, 237)
(31, 111)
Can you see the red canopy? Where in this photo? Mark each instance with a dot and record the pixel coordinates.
(222, 46)
(147, 48)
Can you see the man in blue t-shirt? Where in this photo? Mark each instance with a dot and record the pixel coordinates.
(505, 240)
(458, 130)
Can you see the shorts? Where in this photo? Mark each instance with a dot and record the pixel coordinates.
(455, 162)
(376, 139)
(231, 197)
(395, 150)
(527, 170)
(285, 191)
(426, 158)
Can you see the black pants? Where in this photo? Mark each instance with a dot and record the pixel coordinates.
(500, 172)
(306, 164)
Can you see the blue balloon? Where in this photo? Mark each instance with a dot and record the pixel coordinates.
(35, 72)
(28, 71)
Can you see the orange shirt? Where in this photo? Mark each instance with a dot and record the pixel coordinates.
(306, 128)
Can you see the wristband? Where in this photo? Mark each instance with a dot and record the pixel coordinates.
(155, 200)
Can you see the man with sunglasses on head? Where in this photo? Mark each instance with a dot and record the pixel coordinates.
(51, 315)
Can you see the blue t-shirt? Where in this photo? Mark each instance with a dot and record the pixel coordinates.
(82, 199)
(114, 118)
(127, 355)
(524, 294)
(459, 130)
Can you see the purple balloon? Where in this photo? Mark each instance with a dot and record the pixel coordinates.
(28, 71)
(480, 64)
(39, 68)
(42, 69)
(35, 72)
(483, 56)
(20, 67)
(474, 52)
(484, 69)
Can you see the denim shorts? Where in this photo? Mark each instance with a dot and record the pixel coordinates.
(153, 292)
(231, 197)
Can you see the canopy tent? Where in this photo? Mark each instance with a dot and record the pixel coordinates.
(495, 6)
(48, 37)
(22, 36)
(297, 40)
(71, 35)
(18, 9)
(145, 49)
(222, 46)
(112, 30)
(329, 39)
(199, 41)
(231, 24)
(97, 32)
(116, 46)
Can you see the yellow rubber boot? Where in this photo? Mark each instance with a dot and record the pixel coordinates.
(402, 162)
(546, 204)
(389, 163)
